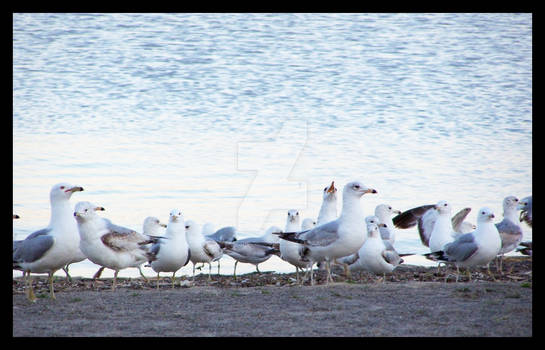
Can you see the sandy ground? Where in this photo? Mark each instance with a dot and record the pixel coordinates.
(413, 302)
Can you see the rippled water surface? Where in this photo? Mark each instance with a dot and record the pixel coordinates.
(236, 118)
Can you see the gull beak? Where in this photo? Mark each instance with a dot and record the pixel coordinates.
(491, 216)
(396, 211)
(76, 213)
(15, 216)
(332, 187)
(100, 208)
(164, 225)
(370, 190)
(382, 225)
(74, 189)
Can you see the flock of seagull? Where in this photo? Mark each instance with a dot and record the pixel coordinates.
(350, 239)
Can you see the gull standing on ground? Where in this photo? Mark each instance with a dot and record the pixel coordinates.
(289, 251)
(384, 214)
(338, 238)
(53, 247)
(202, 250)
(151, 227)
(109, 245)
(525, 204)
(252, 252)
(376, 255)
(173, 253)
(509, 228)
(476, 248)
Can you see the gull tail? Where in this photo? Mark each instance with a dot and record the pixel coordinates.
(435, 256)
(289, 236)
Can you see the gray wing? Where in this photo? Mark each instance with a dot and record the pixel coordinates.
(224, 234)
(391, 255)
(322, 235)
(510, 234)
(384, 233)
(33, 247)
(458, 222)
(462, 248)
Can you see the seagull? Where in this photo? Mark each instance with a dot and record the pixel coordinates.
(307, 224)
(109, 245)
(203, 250)
(376, 254)
(51, 248)
(384, 213)
(425, 216)
(151, 227)
(340, 237)
(171, 254)
(474, 248)
(509, 228)
(252, 252)
(289, 251)
(328, 210)
(525, 204)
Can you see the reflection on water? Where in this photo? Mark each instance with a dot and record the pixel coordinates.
(236, 118)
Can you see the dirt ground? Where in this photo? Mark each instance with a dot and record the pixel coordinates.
(413, 302)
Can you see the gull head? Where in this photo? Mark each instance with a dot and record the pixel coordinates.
(485, 215)
(307, 224)
(510, 203)
(152, 225)
(85, 211)
(357, 188)
(372, 229)
(385, 210)
(523, 203)
(293, 215)
(63, 191)
(330, 192)
(443, 207)
(371, 219)
(192, 228)
(175, 216)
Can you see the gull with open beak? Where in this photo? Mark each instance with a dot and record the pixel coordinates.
(337, 238)
(53, 247)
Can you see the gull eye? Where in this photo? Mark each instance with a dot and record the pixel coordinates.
(445, 204)
(389, 208)
(297, 213)
(187, 226)
(483, 213)
(325, 189)
(86, 210)
(62, 187)
(356, 186)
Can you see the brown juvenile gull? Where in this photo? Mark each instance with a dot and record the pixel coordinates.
(109, 245)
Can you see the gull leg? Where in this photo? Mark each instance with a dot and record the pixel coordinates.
(218, 267)
(30, 289)
(141, 274)
(193, 272)
(209, 271)
(257, 269)
(157, 280)
(469, 274)
(235, 270)
(51, 289)
(490, 272)
(65, 269)
(98, 273)
(174, 277)
(115, 280)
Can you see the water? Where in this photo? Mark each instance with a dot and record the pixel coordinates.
(236, 118)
